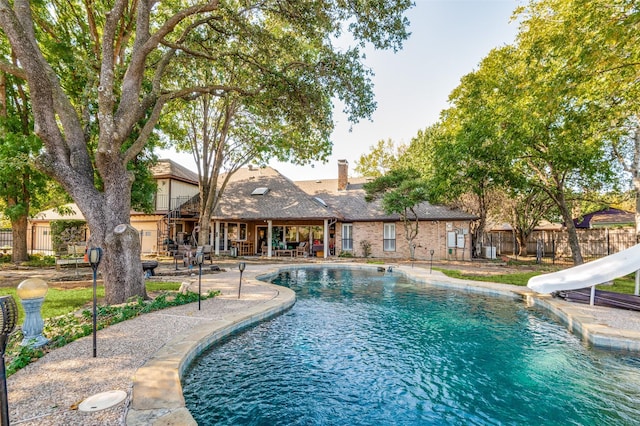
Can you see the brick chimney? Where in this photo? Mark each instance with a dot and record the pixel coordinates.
(343, 174)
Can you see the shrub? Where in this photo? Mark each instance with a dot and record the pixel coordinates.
(40, 260)
(64, 329)
(366, 248)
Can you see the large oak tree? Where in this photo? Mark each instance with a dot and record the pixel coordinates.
(100, 73)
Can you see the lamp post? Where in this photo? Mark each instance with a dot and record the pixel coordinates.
(199, 259)
(31, 293)
(241, 267)
(95, 254)
(431, 265)
(8, 321)
(175, 258)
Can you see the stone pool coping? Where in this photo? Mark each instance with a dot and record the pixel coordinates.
(156, 396)
(157, 391)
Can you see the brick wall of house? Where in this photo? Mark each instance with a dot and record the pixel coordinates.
(432, 235)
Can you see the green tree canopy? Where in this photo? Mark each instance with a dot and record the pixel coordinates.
(379, 160)
(113, 66)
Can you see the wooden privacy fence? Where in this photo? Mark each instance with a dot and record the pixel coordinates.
(551, 245)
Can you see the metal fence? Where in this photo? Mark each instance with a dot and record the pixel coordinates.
(41, 240)
(552, 246)
(6, 237)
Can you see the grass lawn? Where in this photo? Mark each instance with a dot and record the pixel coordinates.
(516, 278)
(59, 301)
(624, 285)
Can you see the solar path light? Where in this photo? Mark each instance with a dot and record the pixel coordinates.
(8, 320)
(241, 267)
(31, 293)
(431, 264)
(95, 254)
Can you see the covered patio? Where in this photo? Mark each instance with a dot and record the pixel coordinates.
(275, 238)
(264, 213)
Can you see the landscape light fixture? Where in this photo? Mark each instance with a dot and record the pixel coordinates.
(95, 255)
(8, 321)
(31, 293)
(199, 259)
(241, 267)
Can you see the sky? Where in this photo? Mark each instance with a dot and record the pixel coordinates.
(448, 39)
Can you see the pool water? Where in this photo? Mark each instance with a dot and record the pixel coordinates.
(362, 347)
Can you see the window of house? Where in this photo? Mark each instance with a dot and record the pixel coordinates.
(389, 237)
(347, 236)
(277, 237)
(303, 233)
(232, 231)
(317, 233)
(237, 231)
(292, 233)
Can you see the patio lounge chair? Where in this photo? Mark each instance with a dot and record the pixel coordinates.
(206, 251)
(301, 250)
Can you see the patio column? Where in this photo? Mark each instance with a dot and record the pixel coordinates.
(326, 238)
(269, 237)
(216, 234)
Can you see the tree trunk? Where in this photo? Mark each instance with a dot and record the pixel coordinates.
(121, 266)
(411, 227)
(521, 239)
(206, 209)
(574, 243)
(110, 229)
(19, 231)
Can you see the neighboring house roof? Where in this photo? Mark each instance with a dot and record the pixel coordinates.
(52, 214)
(166, 168)
(543, 225)
(606, 218)
(274, 197)
(353, 207)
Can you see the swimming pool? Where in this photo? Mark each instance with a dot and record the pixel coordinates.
(365, 347)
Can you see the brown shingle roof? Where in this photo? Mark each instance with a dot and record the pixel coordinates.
(319, 199)
(353, 207)
(284, 200)
(166, 168)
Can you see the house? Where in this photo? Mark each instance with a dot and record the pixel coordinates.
(174, 218)
(330, 217)
(360, 224)
(264, 213)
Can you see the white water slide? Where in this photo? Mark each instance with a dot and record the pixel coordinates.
(590, 274)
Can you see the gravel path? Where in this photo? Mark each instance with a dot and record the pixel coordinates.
(48, 391)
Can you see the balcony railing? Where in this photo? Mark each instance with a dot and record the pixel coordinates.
(163, 203)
